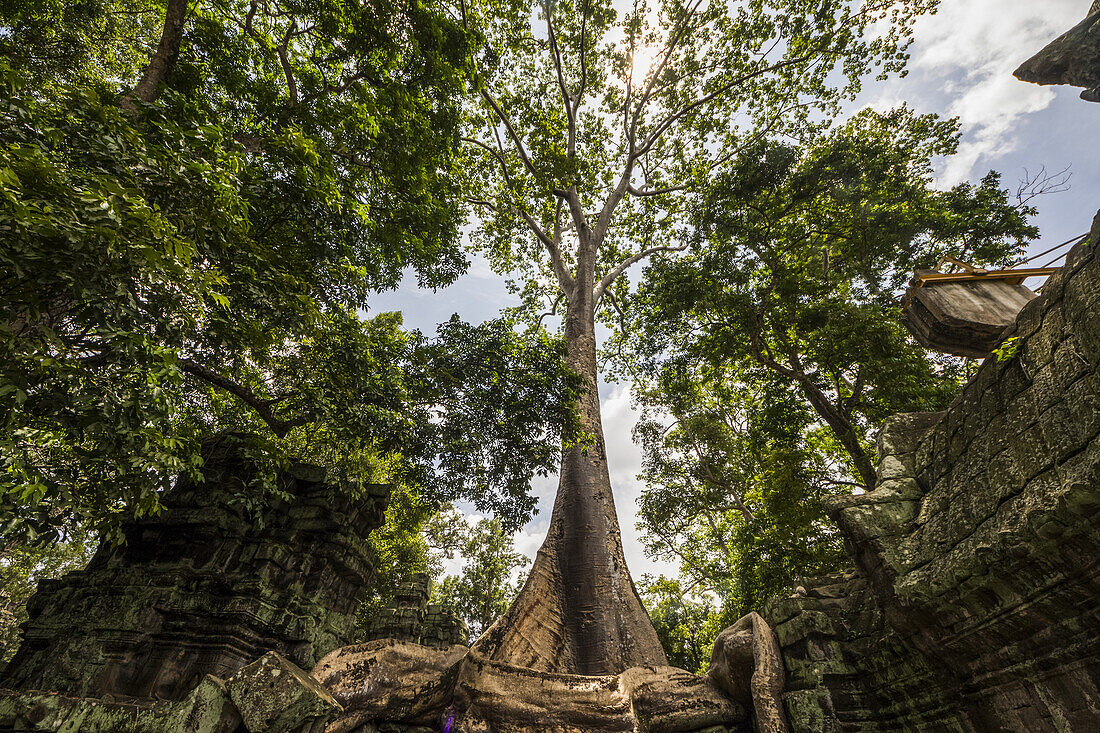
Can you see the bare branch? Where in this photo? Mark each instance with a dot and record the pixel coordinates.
(554, 308)
(1042, 183)
(620, 268)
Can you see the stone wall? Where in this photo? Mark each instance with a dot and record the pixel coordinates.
(204, 588)
(975, 605)
(412, 619)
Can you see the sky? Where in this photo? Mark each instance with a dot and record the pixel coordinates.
(961, 65)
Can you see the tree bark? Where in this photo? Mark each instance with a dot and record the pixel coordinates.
(579, 611)
(148, 87)
(844, 431)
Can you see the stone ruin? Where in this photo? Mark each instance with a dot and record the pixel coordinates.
(204, 588)
(206, 620)
(973, 602)
(413, 620)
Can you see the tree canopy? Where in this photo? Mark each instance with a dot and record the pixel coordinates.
(191, 236)
(597, 130)
(768, 355)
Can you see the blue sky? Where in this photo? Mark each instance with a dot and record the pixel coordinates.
(961, 65)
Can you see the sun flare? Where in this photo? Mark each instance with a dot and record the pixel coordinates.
(644, 60)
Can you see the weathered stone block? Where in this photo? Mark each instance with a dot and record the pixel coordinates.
(275, 696)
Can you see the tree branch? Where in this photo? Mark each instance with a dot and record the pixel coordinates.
(654, 192)
(567, 102)
(261, 406)
(620, 268)
(561, 272)
(553, 309)
(673, 118)
(493, 152)
(573, 199)
(482, 202)
(168, 48)
(511, 130)
(288, 72)
(584, 60)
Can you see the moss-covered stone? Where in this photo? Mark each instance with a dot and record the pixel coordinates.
(205, 588)
(975, 602)
(274, 696)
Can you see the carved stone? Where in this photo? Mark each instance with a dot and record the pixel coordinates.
(975, 604)
(204, 588)
(275, 696)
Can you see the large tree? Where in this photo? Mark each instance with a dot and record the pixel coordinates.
(800, 256)
(197, 200)
(590, 137)
(767, 356)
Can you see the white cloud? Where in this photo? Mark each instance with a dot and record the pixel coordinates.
(964, 57)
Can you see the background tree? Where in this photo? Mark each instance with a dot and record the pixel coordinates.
(484, 588)
(23, 566)
(805, 253)
(686, 627)
(734, 485)
(766, 357)
(590, 139)
(191, 234)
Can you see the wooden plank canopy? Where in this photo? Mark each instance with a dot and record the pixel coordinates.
(965, 313)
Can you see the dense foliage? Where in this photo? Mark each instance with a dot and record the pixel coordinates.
(22, 566)
(484, 587)
(686, 625)
(773, 350)
(190, 238)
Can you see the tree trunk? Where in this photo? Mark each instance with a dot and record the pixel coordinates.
(579, 611)
(844, 431)
(148, 87)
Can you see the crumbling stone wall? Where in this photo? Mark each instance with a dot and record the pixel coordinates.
(412, 619)
(976, 601)
(204, 588)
